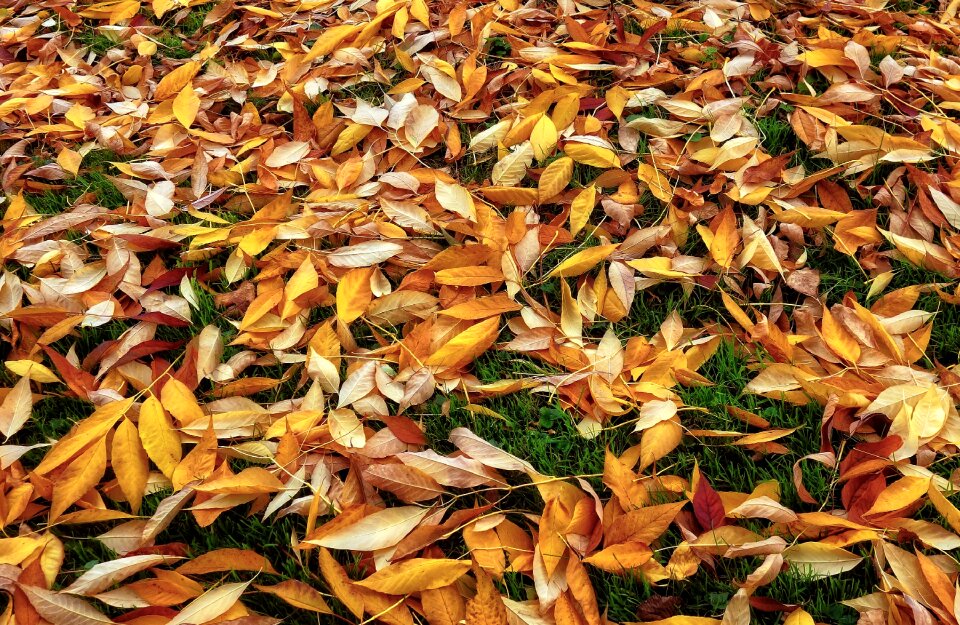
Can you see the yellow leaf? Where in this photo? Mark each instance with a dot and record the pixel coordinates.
(129, 461)
(798, 617)
(160, 7)
(303, 280)
(617, 98)
(331, 38)
(656, 267)
(581, 588)
(346, 429)
(944, 507)
(16, 550)
(571, 320)
(159, 437)
(443, 606)
(581, 208)
(725, 239)
(486, 607)
(620, 558)
(809, 216)
(69, 160)
(416, 574)
(456, 199)
(175, 81)
(354, 293)
(79, 477)
(16, 408)
(250, 481)
(511, 196)
(737, 611)
(180, 402)
(685, 620)
(555, 178)
(482, 308)
(349, 137)
(467, 345)
(582, 261)
(419, 10)
(469, 276)
(659, 440)
(820, 560)
(338, 582)
(382, 529)
(739, 315)
(146, 48)
(824, 57)
(93, 427)
(841, 342)
(227, 559)
(33, 370)
(566, 110)
(210, 604)
(658, 184)
(299, 595)
(521, 131)
(900, 494)
(186, 106)
(543, 138)
(592, 155)
(199, 463)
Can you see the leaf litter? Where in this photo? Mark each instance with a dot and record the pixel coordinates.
(256, 239)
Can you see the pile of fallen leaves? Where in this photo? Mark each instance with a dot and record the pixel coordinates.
(321, 214)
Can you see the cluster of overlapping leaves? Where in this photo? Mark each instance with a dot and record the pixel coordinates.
(339, 207)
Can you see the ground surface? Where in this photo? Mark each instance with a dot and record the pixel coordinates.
(689, 270)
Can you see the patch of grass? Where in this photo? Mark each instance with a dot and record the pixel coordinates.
(471, 170)
(53, 417)
(822, 597)
(173, 46)
(584, 175)
(369, 91)
(529, 426)
(497, 48)
(735, 468)
(92, 179)
(632, 25)
(193, 22)
(650, 309)
(776, 135)
(676, 36)
(711, 56)
(621, 595)
(95, 41)
(105, 193)
(709, 592)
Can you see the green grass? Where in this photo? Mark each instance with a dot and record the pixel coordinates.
(531, 427)
(734, 468)
(97, 42)
(173, 46)
(497, 49)
(776, 135)
(193, 22)
(92, 179)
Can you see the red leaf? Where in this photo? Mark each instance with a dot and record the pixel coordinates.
(769, 604)
(79, 381)
(406, 430)
(707, 505)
